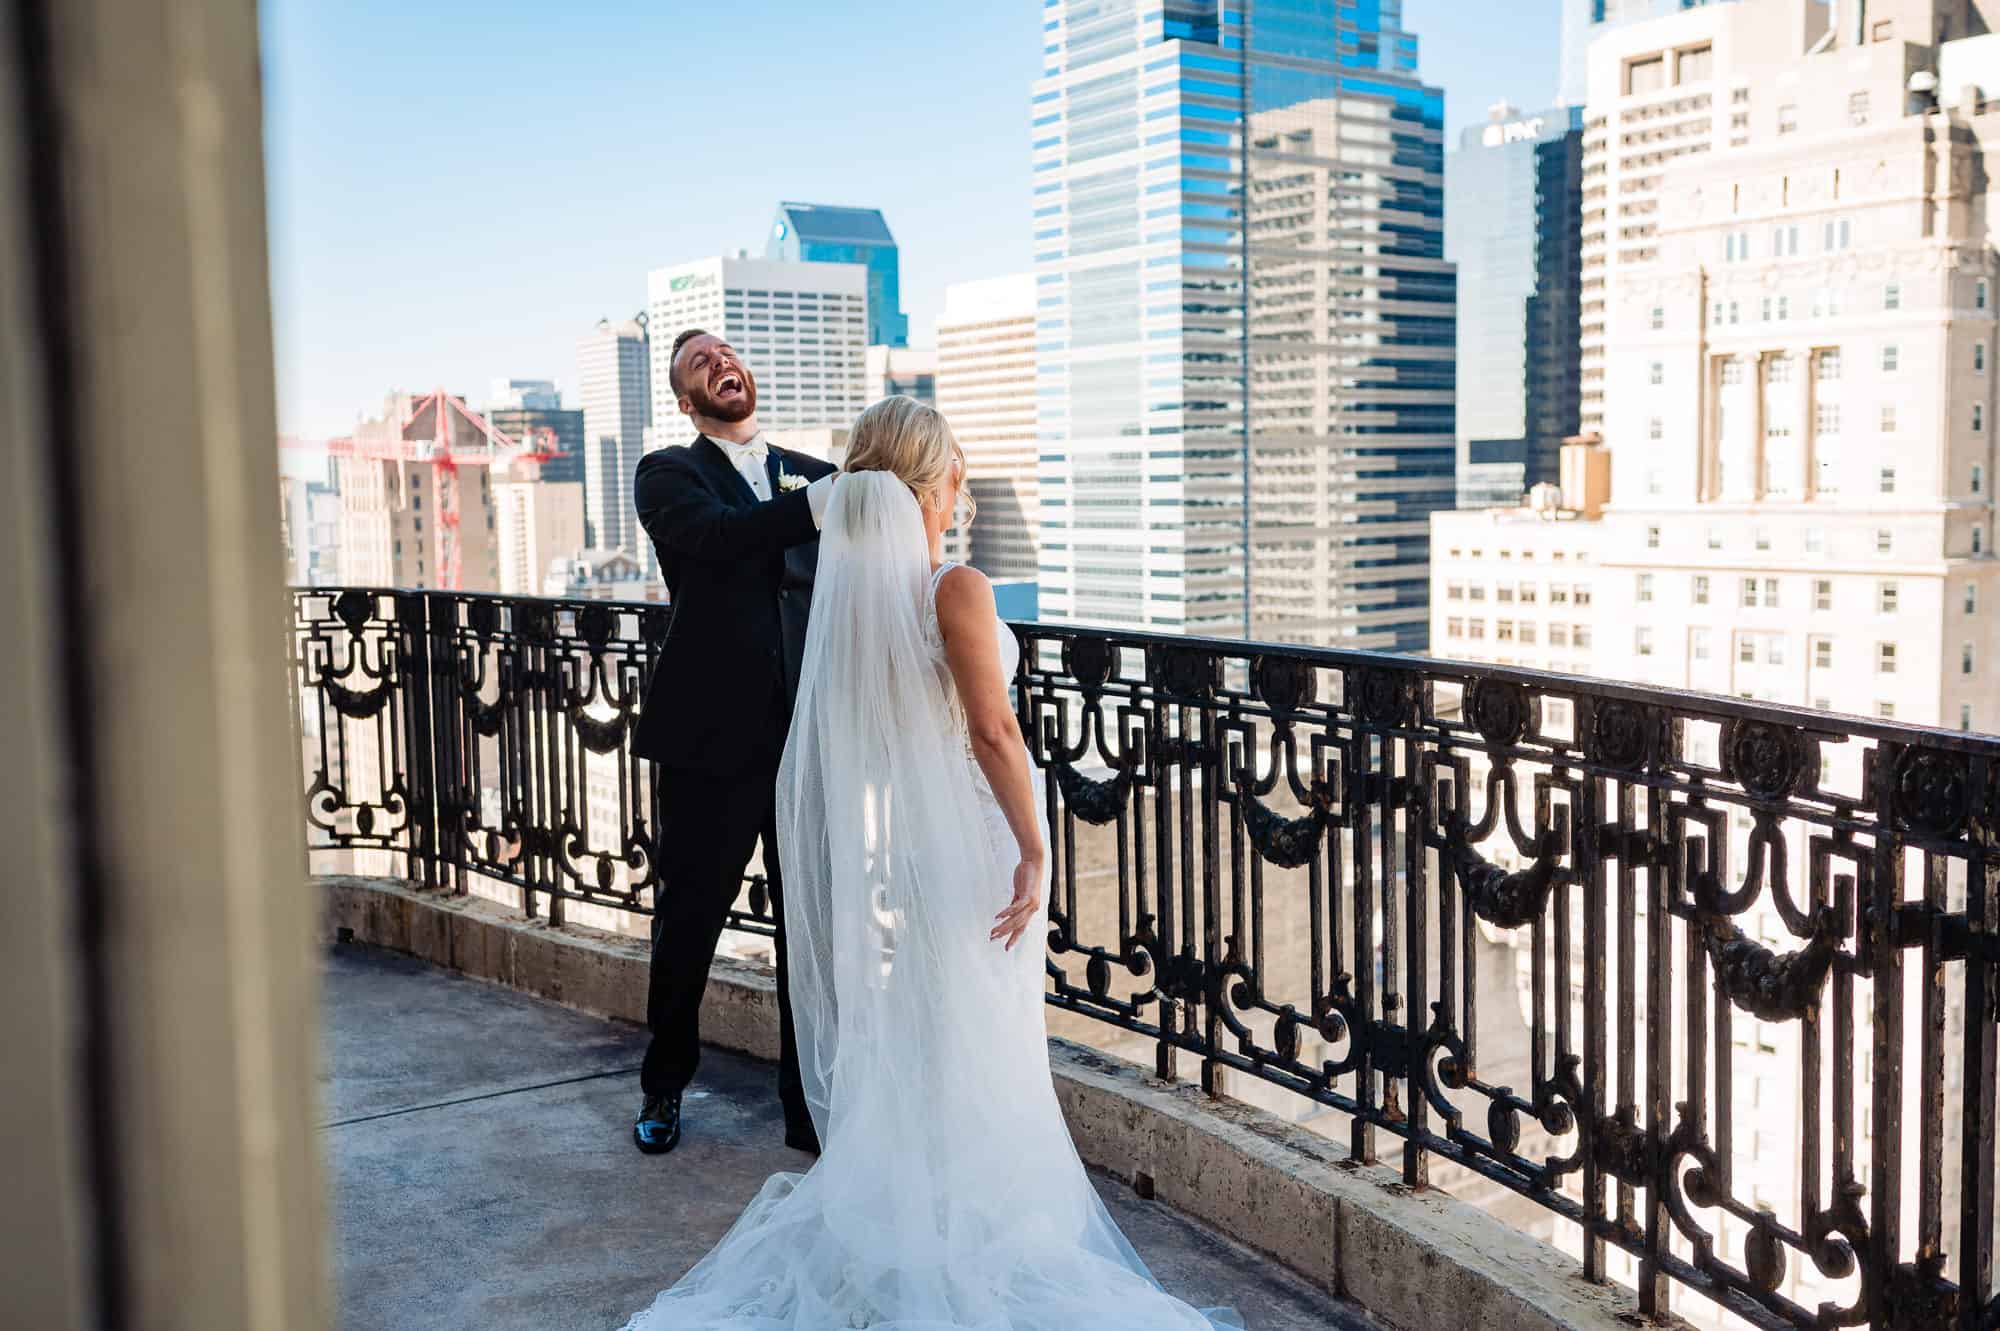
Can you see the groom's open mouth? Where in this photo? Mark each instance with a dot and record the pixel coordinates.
(727, 384)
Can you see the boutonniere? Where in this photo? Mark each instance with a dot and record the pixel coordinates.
(787, 482)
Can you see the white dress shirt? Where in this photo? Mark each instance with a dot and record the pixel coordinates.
(749, 458)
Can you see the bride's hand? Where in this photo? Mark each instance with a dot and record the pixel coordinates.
(1012, 922)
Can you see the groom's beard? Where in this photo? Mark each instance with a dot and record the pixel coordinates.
(729, 410)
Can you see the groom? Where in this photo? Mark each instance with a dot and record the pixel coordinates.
(736, 525)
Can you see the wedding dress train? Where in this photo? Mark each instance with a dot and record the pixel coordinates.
(949, 1194)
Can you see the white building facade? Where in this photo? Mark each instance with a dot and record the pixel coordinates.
(986, 390)
(614, 378)
(802, 328)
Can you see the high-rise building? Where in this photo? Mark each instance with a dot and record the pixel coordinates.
(1584, 21)
(536, 523)
(1244, 320)
(901, 371)
(390, 533)
(986, 390)
(535, 417)
(520, 393)
(824, 233)
(1513, 195)
(802, 328)
(1644, 114)
(1796, 411)
(613, 375)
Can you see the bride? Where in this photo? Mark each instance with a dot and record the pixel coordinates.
(949, 1193)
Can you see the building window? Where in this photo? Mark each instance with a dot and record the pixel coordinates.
(1645, 592)
(1652, 538)
(1701, 589)
(1833, 236)
(1885, 658)
(1732, 372)
(1885, 541)
(1558, 635)
(1527, 633)
(1965, 716)
(1579, 635)
(1698, 644)
(1965, 659)
(1886, 598)
(1659, 317)
(1656, 373)
(1788, 119)
(1886, 710)
(1979, 358)
(1979, 294)
(1746, 649)
(1826, 366)
(1749, 593)
(1978, 417)
(1978, 539)
(1656, 428)
(1889, 358)
(1822, 593)
(1815, 541)
(1978, 478)
(1642, 640)
(1761, 538)
(1971, 598)
(1503, 630)
(1888, 482)
(1528, 593)
(1714, 537)
(1889, 418)
(1822, 650)
(1857, 108)
(1892, 297)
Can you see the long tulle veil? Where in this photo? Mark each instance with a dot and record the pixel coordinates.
(949, 1193)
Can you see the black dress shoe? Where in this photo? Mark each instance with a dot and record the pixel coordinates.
(802, 1138)
(658, 1129)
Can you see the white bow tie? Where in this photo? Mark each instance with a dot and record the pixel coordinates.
(754, 452)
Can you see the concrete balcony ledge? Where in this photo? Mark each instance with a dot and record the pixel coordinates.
(1415, 1261)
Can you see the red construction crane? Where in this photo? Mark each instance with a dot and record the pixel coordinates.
(442, 431)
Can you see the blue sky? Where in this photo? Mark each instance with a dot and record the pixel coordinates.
(458, 191)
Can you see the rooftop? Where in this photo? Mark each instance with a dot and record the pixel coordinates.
(482, 1172)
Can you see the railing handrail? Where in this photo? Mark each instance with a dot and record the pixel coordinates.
(1617, 869)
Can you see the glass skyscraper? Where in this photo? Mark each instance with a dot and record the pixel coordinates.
(822, 233)
(1514, 231)
(1244, 322)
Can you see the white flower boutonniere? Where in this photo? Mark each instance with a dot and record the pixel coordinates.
(788, 482)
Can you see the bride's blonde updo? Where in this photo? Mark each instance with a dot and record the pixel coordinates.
(902, 436)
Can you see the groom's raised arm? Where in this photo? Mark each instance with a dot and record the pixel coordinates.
(682, 514)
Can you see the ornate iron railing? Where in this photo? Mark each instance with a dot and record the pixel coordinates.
(1297, 866)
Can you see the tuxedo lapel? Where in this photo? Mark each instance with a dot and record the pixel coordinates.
(773, 465)
(711, 455)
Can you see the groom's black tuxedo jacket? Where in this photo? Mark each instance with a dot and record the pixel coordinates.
(739, 575)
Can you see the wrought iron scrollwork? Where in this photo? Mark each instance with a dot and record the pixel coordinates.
(1252, 878)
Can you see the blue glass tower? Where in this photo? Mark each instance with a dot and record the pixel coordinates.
(822, 233)
(1245, 319)
(1514, 230)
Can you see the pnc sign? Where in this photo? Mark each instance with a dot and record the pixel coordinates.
(1513, 131)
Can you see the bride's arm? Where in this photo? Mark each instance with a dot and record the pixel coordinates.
(972, 649)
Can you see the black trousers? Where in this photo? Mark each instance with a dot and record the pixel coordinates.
(709, 824)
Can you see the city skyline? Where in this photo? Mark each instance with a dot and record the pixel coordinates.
(369, 297)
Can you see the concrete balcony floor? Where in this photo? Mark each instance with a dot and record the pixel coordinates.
(478, 1148)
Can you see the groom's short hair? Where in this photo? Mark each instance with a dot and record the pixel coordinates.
(685, 336)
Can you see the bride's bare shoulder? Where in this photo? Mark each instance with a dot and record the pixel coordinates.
(962, 593)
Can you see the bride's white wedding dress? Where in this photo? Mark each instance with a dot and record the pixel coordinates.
(949, 1194)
